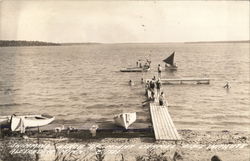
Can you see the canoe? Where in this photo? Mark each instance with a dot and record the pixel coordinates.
(19, 123)
(125, 119)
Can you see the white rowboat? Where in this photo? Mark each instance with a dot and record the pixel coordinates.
(125, 119)
(19, 123)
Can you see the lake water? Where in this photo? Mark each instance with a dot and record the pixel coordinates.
(80, 84)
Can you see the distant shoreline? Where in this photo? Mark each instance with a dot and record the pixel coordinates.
(20, 43)
(13, 43)
(200, 42)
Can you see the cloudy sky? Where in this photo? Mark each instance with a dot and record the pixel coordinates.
(123, 21)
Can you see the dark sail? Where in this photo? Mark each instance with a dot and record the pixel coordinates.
(170, 59)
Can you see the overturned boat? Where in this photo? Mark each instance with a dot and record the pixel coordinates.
(170, 62)
(20, 123)
(125, 119)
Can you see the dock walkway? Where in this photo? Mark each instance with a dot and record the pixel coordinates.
(164, 128)
(163, 125)
(185, 80)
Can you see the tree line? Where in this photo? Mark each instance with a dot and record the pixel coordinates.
(5, 43)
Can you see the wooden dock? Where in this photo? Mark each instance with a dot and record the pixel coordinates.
(164, 128)
(163, 125)
(185, 81)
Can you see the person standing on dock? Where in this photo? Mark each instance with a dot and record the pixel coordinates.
(152, 85)
(146, 65)
(159, 68)
(149, 62)
(152, 88)
(147, 87)
(153, 96)
(158, 86)
(161, 99)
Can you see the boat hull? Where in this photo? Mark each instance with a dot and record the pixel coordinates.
(125, 119)
(4, 121)
(171, 68)
(21, 122)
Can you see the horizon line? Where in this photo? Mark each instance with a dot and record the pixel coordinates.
(217, 41)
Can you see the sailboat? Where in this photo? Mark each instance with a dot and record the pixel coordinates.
(170, 62)
(125, 119)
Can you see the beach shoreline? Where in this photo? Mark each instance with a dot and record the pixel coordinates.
(195, 145)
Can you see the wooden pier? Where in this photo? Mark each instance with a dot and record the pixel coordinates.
(163, 125)
(164, 128)
(185, 81)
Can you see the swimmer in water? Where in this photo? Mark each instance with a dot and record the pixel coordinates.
(227, 85)
(131, 83)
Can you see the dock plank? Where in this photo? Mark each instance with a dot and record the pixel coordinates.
(162, 130)
(174, 130)
(167, 125)
(163, 126)
(170, 124)
(154, 122)
(165, 132)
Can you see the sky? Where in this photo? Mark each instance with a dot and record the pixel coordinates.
(124, 21)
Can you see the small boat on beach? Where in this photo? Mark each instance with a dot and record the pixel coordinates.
(20, 123)
(170, 62)
(4, 120)
(125, 119)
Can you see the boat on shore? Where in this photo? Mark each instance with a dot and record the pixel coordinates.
(125, 119)
(20, 123)
(4, 121)
(170, 64)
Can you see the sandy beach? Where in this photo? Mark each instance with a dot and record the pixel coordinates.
(195, 146)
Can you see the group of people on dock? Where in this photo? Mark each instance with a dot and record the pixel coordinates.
(154, 87)
(145, 66)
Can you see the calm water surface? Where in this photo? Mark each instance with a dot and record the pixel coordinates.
(80, 84)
